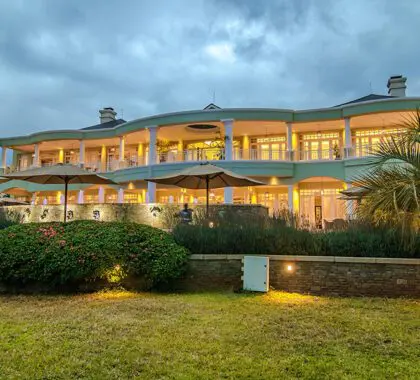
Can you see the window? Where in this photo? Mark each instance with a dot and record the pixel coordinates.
(268, 148)
(366, 141)
(320, 146)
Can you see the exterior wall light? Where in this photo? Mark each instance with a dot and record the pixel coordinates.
(289, 268)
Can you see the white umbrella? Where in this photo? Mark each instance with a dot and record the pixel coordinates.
(205, 176)
(60, 174)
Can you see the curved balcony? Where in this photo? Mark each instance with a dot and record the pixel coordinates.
(218, 154)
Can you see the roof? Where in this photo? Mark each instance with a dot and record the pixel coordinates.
(109, 124)
(366, 99)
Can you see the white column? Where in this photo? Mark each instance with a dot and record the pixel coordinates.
(152, 144)
(349, 204)
(36, 155)
(228, 126)
(290, 197)
(151, 187)
(82, 154)
(121, 152)
(4, 158)
(151, 192)
(101, 195)
(120, 198)
(289, 139)
(81, 197)
(347, 138)
(228, 198)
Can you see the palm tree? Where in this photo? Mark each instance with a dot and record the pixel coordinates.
(391, 187)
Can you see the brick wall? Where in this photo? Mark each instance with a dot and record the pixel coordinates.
(310, 274)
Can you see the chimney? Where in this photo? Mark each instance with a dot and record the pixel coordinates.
(107, 114)
(396, 86)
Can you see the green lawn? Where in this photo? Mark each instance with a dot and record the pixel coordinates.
(122, 335)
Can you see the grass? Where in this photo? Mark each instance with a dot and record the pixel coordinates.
(123, 335)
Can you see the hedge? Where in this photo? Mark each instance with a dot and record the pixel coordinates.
(57, 254)
(268, 236)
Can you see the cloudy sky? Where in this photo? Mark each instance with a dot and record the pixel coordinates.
(62, 60)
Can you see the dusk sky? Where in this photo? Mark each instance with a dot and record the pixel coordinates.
(61, 61)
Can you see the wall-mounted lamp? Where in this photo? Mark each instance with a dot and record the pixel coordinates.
(289, 267)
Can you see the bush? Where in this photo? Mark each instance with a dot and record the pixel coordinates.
(6, 223)
(232, 233)
(59, 254)
(249, 235)
(365, 241)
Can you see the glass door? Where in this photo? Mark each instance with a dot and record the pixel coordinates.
(112, 159)
(362, 146)
(314, 150)
(326, 150)
(264, 152)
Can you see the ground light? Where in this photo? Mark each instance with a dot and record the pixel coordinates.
(115, 274)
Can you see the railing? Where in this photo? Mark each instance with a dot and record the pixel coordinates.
(364, 150)
(93, 166)
(320, 154)
(217, 154)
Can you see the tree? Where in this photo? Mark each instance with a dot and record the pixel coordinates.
(391, 186)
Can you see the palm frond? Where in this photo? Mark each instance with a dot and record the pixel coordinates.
(399, 150)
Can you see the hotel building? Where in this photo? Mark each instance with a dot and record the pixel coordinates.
(305, 157)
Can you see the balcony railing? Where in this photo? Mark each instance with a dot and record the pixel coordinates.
(217, 154)
(320, 154)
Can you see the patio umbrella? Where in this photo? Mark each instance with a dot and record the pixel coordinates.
(354, 193)
(60, 174)
(205, 176)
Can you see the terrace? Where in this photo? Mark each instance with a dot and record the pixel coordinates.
(226, 140)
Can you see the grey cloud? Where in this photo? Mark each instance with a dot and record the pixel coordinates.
(60, 61)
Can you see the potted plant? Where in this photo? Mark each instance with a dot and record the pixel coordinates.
(336, 152)
(163, 146)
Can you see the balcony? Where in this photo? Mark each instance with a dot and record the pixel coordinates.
(218, 154)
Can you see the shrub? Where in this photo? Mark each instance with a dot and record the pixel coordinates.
(365, 241)
(232, 233)
(6, 223)
(67, 254)
(251, 235)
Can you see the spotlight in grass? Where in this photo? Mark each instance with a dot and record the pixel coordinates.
(211, 224)
(115, 274)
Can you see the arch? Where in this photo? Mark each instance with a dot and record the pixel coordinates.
(333, 169)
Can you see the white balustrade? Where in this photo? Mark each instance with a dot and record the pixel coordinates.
(320, 154)
(217, 154)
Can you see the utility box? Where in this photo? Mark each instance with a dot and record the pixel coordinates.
(256, 273)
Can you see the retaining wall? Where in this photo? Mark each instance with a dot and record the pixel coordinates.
(156, 215)
(328, 275)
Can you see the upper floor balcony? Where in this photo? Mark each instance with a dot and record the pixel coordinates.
(204, 155)
(223, 140)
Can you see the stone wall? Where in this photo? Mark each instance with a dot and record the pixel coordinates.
(311, 274)
(157, 215)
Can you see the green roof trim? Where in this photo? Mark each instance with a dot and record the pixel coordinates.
(260, 114)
